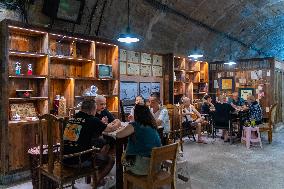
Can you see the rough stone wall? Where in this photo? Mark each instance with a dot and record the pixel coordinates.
(257, 24)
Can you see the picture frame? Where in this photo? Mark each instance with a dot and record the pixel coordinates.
(157, 60)
(122, 55)
(156, 87)
(133, 56)
(157, 71)
(133, 69)
(122, 68)
(146, 58)
(145, 89)
(227, 83)
(245, 92)
(128, 90)
(145, 70)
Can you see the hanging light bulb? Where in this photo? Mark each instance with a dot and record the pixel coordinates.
(128, 37)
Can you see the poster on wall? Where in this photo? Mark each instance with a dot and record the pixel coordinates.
(128, 90)
(157, 71)
(122, 55)
(157, 60)
(145, 70)
(155, 87)
(146, 58)
(133, 69)
(122, 69)
(145, 89)
(245, 92)
(227, 84)
(133, 56)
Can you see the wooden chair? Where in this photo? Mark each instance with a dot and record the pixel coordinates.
(54, 168)
(156, 177)
(175, 124)
(268, 127)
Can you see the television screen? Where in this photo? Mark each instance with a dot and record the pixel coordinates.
(67, 10)
(104, 71)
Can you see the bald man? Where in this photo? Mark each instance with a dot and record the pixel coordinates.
(103, 114)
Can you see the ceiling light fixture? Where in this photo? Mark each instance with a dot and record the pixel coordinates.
(230, 63)
(196, 54)
(128, 37)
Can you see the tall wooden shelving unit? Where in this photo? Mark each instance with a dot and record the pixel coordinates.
(190, 78)
(62, 65)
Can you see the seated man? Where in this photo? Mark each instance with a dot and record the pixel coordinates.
(160, 114)
(103, 114)
(188, 121)
(78, 135)
(106, 117)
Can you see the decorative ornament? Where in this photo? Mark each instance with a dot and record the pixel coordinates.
(30, 69)
(18, 68)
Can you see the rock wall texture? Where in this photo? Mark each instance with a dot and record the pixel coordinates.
(220, 28)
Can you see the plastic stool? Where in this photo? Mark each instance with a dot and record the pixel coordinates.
(246, 136)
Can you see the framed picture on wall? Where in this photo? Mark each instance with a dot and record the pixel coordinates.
(146, 58)
(145, 70)
(122, 55)
(227, 83)
(155, 87)
(245, 92)
(157, 71)
(128, 90)
(133, 69)
(122, 68)
(145, 89)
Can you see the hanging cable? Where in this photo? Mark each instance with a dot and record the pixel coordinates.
(101, 18)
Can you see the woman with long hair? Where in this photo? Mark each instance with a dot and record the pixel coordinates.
(143, 138)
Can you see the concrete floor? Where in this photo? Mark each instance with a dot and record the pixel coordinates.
(219, 165)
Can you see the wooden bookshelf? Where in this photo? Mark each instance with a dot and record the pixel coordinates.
(62, 65)
(190, 78)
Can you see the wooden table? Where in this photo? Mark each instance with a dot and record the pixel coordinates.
(120, 145)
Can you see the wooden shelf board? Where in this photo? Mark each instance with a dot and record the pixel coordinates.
(24, 122)
(87, 97)
(28, 76)
(70, 58)
(85, 78)
(199, 93)
(107, 79)
(28, 99)
(26, 54)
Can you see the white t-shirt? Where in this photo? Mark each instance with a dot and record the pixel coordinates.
(162, 114)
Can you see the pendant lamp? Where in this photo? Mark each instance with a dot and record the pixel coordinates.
(128, 37)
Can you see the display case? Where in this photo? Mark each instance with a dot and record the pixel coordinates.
(39, 67)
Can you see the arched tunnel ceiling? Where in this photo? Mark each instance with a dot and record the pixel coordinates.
(220, 28)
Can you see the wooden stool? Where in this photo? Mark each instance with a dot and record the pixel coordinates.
(247, 136)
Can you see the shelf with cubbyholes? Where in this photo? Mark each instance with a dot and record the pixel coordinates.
(47, 64)
(190, 78)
